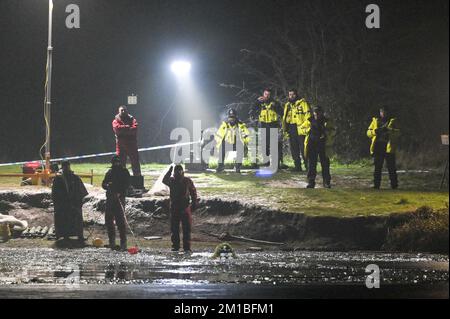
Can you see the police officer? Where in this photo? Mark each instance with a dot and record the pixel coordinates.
(296, 112)
(383, 132)
(319, 133)
(267, 112)
(232, 135)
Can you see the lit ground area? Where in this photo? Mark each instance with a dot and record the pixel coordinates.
(350, 195)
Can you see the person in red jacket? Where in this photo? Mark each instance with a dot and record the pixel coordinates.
(125, 127)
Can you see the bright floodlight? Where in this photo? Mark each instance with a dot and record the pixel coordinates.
(180, 67)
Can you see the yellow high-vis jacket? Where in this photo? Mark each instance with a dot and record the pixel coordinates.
(330, 133)
(267, 112)
(296, 113)
(391, 130)
(230, 133)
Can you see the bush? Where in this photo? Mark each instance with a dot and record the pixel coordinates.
(433, 158)
(427, 230)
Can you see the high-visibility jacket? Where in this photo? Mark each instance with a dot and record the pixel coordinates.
(392, 133)
(268, 111)
(296, 113)
(230, 133)
(329, 134)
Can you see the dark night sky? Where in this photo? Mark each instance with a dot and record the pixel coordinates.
(123, 46)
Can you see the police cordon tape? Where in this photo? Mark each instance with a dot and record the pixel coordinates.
(153, 148)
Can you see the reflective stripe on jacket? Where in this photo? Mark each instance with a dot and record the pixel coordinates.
(268, 112)
(296, 113)
(229, 132)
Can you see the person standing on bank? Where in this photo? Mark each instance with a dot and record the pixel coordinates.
(267, 112)
(125, 128)
(232, 135)
(116, 183)
(68, 192)
(383, 132)
(319, 132)
(183, 201)
(296, 112)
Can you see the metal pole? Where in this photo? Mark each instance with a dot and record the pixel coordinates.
(444, 175)
(48, 92)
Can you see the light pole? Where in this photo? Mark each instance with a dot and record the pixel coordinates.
(48, 88)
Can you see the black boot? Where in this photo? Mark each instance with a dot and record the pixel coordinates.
(112, 244)
(220, 168)
(297, 166)
(123, 245)
(281, 165)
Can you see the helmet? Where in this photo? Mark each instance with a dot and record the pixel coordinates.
(97, 242)
(232, 113)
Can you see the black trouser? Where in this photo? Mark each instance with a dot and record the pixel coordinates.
(114, 212)
(378, 158)
(317, 150)
(238, 147)
(264, 129)
(183, 216)
(297, 144)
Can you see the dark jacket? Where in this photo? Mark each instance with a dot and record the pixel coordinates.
(68, 192)
(116, 181)
(318, 134)
(180, 191)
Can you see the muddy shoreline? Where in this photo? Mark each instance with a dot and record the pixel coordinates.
(148, 216)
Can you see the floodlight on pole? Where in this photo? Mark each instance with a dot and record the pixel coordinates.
(180, 68)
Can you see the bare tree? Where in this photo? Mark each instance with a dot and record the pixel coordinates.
(324, 50)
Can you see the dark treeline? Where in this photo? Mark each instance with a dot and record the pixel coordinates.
(323, 49)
